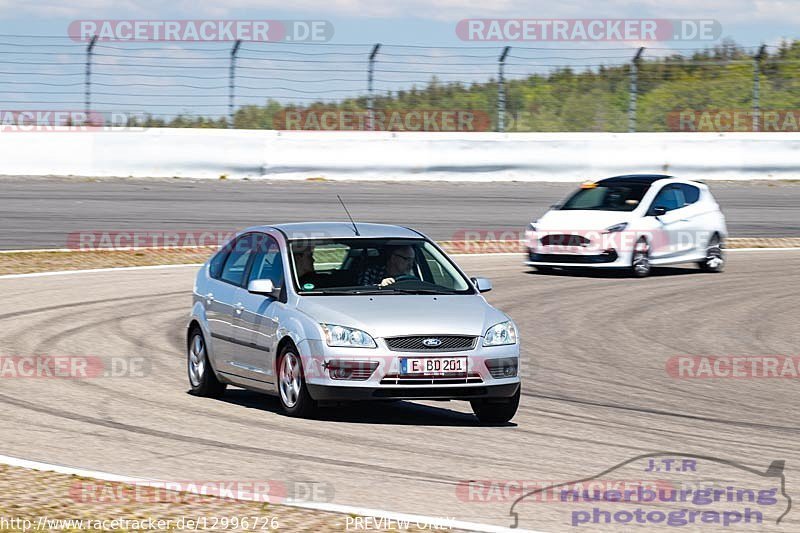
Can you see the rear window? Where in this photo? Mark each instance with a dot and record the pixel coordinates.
(690, 193)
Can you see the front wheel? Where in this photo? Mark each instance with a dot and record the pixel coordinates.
(496, 411)
(715, 259)
(640, 262)
(293, 393)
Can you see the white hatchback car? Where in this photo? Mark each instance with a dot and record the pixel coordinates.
(633, 222)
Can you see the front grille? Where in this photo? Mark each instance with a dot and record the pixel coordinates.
(448, 343)
(430, 392)
(451, 379)
(609, 256)
(564, 240)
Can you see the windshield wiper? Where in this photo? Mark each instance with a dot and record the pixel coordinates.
(383, 290)
(421, 291)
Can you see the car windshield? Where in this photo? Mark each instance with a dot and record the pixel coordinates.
(609, 197)
(373, 266)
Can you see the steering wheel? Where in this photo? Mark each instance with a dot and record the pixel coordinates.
(406, 277)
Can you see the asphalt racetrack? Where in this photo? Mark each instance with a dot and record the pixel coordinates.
(596, 387)
(42, 212)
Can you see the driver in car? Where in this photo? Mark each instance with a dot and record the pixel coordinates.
(399, 260)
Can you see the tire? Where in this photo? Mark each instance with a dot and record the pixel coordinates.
(640, 261)
(292, 391)
(715, 259)
(496, 411)
(202, 379)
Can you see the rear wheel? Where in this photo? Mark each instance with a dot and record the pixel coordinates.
(715, 259)
(201, 376)
(640, 262)
(496, 410)
(293, 392)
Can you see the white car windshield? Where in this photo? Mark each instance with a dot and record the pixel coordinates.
(373, 266)
(610, 197)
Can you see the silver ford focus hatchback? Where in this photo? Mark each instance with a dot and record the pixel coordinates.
(331, 312)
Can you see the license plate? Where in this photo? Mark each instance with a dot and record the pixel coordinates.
(430, 365)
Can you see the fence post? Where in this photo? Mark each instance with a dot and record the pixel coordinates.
(757, 87)
(370, 90)
(501, 90)
(232, 81)
(88, 88)
(634, 91)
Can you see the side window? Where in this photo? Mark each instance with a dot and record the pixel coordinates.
(690, 193)
(267, 262)
(235, 264)
(669, 198)
(217, 262)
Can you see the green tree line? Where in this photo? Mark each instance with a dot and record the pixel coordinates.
(566, 99)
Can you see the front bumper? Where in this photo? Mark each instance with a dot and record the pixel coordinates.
(386, 383)
(606, 259)
(412, 392)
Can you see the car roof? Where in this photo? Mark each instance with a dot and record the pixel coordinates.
(636, 178)
(646, 179)
(336, 230)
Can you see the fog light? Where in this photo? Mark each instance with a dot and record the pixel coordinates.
(502, 368)
(341, 373)
(355, 370)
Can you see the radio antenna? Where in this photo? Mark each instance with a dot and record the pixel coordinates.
(353, 222)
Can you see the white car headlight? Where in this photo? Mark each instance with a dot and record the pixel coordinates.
(616, 227)
(500, 334)
(342, 336)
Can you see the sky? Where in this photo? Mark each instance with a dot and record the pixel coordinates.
(39, 71)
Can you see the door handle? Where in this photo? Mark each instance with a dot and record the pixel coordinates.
(238, 308)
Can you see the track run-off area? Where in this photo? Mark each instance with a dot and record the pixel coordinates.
(599, 388)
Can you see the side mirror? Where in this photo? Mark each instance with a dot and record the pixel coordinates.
(264, 287)
(482, 284)
(658, 211)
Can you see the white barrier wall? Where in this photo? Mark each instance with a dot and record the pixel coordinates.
(209, 153)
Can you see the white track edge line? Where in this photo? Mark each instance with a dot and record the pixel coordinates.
(95, 270)
(329, 507)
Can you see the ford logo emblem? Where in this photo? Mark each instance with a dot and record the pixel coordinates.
(432, 343)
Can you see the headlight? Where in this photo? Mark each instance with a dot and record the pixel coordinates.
(531, 227)
(616, 227)
(500, 334)
(347, 337)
